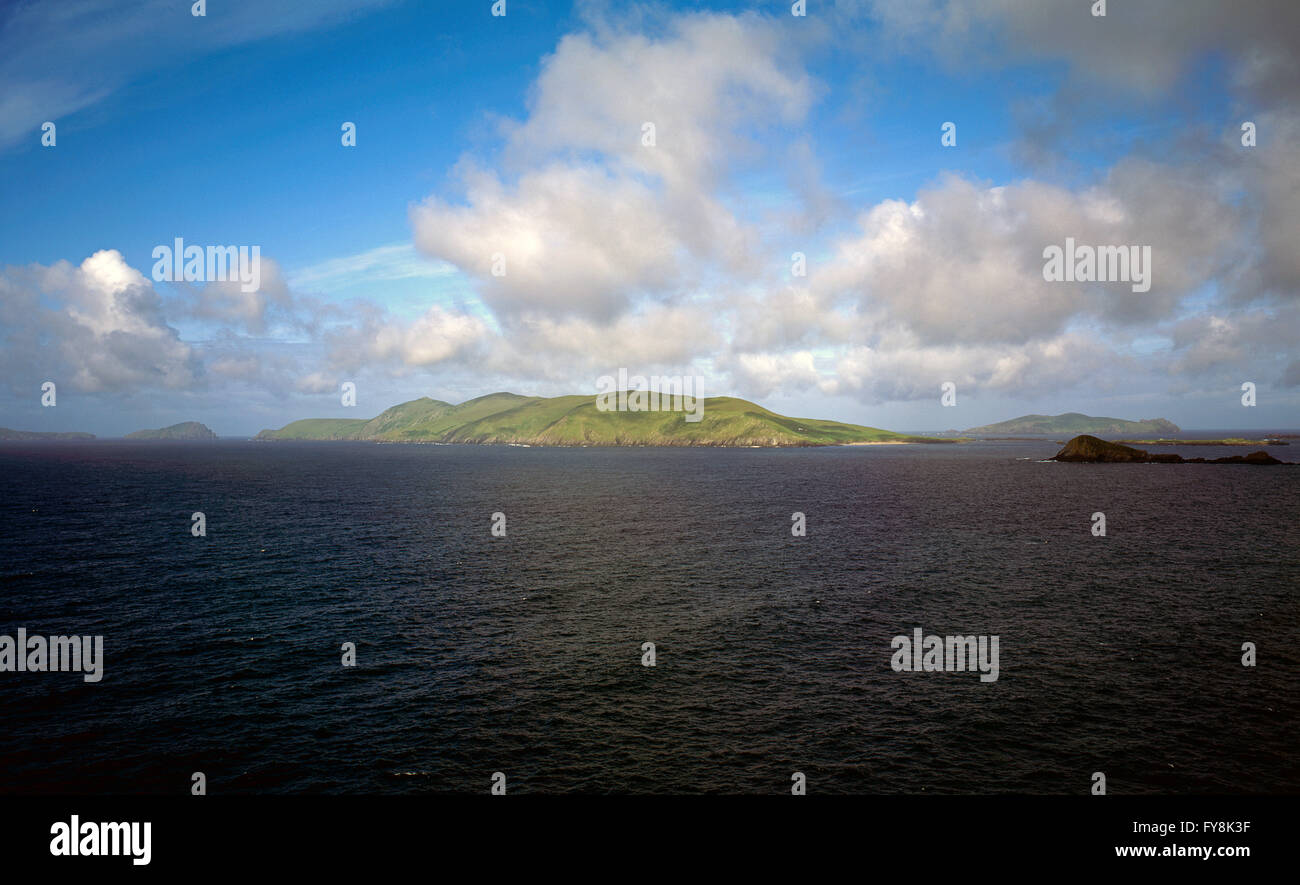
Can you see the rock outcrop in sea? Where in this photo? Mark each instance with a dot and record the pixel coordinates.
(1091, 450)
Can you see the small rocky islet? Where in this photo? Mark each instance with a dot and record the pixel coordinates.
(1091, 450)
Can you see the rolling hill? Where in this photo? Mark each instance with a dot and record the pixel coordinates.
(508, 418)
(186, 430)
(1074, 423)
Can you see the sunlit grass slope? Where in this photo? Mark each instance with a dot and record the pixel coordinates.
(576, 421)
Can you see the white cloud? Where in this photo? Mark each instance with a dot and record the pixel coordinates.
(593, 220)
(902, 369)
(569, 240)
(657, 338)
(963, 263)
(95, 327)
(439, 335)
(762, 374)
(1139, 47)
(617, 254)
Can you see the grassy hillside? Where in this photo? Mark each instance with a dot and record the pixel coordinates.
(7, 434)
(1074, 423)
(575, 421)
(318, 428)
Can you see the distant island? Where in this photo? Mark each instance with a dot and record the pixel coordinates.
(1231, 441)
(184, 430)
(1089, 449)
(6, 433)
(1076, 423)
(511, 419)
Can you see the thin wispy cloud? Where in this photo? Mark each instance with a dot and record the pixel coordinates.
(397, 261)
(60, 58)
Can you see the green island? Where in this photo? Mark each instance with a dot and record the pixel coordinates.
(187, 430)
(8, 434)
(1077, 423)
(1232, 441)
(512, 419)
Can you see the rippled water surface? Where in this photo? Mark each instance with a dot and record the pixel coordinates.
(523, 654)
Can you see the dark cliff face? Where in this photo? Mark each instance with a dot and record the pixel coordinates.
(1252, 458)
(1094, 450)
(1090, 449)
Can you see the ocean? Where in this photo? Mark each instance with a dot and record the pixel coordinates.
(523, 654)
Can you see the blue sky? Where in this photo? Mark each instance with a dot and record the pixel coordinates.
(775, 134)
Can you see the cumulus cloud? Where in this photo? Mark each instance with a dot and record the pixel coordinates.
(1229, 345)
(227, 303)
(902, 369)
(762, 374)
(584, 249)
(1270, 174)
(655, 338)
(949, 283)
(964, 261)
(563, 240)
(97, 327)
(435, 337)
(1143, 47)
(594, 218)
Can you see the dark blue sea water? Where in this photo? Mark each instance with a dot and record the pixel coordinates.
(523, 654)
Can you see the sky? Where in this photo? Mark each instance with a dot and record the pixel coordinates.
(506, 219)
